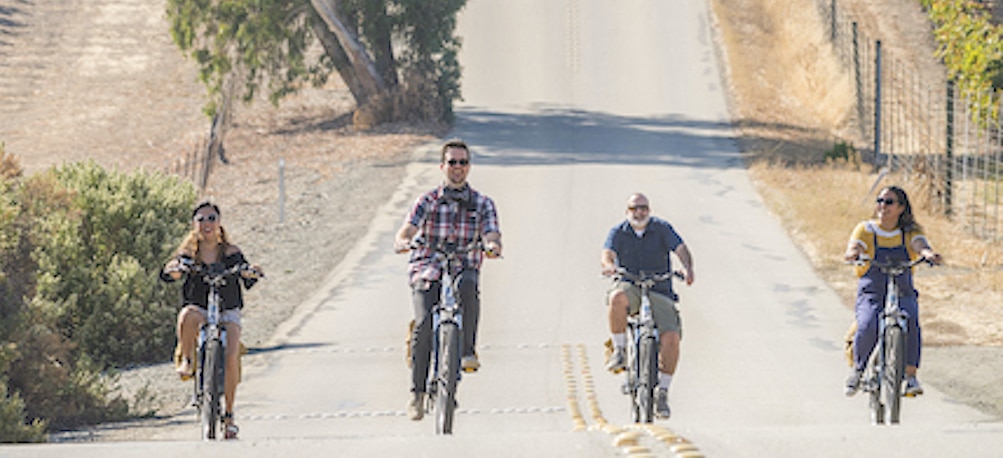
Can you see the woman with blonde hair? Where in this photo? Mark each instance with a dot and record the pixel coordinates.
(207, 244)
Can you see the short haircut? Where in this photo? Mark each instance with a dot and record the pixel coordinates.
(454, 143)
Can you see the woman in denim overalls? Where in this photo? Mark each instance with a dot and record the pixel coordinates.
(892, 234)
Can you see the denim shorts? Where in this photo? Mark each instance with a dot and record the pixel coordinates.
(225, 316)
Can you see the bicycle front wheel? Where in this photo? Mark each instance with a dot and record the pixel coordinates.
(647, 378)
(449, 374)
(212, 388)
(891, 384)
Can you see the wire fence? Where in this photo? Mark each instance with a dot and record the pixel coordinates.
(915, 121)
(197, 164)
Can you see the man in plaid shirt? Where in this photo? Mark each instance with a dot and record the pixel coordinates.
(451, 213)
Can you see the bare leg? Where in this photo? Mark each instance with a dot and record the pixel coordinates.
(669, 352)
(232, 365)
(189, 321)
(618, 303)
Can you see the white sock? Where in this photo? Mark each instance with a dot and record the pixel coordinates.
(664, 380)
(620, 340)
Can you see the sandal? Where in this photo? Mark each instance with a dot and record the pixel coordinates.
(231, 429)
(184, 367)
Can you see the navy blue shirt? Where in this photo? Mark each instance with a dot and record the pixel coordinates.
(651, 252)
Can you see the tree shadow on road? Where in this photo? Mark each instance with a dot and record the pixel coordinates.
(561, 136)
(10, 22)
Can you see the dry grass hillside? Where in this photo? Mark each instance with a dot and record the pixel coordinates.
(791, 113)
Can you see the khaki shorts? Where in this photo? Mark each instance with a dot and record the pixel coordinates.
(662, 307)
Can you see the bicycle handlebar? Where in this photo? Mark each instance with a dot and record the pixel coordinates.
(449, 249)
(647, 278)
(890, 264)
(189, 266)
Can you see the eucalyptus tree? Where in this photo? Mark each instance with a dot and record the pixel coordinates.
(398, 55)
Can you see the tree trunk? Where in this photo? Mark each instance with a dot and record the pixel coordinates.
(333, 50)
(361, 66)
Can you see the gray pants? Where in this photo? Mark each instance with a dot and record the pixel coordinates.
(424, 300)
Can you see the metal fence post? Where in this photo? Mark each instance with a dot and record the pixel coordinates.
(877, 104)
(949, 152)
(856, 79)
(282, 190)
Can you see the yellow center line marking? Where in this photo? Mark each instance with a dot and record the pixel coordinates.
(627, 438)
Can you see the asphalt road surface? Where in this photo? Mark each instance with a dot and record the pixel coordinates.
(570, 106)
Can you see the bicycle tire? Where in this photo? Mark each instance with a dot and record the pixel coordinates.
(894, 372)
(449, 374)
(212, 387)
(632, 379)
(647, 378)
(873, 385)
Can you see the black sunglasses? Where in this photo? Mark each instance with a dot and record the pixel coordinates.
(210, 218)
(638, 207)
(886, 201)
(458, 161)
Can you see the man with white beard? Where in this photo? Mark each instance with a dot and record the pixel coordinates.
(643, 243)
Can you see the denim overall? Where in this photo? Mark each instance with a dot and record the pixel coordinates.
(870, 303)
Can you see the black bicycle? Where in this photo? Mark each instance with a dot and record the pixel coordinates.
(643, 347)
(447, 337)
(210, 367)
(885, 371)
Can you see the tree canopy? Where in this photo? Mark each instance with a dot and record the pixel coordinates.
(398, 57)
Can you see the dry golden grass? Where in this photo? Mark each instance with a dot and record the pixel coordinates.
(789, 112)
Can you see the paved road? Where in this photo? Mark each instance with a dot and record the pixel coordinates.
(571, 106)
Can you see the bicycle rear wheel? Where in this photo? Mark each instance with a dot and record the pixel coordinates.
(647, 378)
(449, 374)
(891, 384)
(212, 388)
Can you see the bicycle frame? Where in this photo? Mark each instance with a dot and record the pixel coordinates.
(881, 380)
(210, 376)
(642, 332)
(447, 320)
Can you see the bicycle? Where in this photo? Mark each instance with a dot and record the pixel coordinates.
(447, 338)
(210, 367)
(885, 371)
(643, 348)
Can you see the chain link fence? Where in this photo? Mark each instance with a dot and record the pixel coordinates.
(911, 120)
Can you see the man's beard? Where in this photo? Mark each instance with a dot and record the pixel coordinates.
(639, 223)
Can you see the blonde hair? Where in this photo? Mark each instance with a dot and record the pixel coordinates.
(190, 245)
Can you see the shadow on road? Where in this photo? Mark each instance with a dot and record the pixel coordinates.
(10, 23)
(283, 347)
(558, 136)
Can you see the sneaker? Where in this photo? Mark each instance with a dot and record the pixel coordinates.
(662, 403)
(617, 360)
(416, 406)
(853, 382)
(470, 363)
(912, 387)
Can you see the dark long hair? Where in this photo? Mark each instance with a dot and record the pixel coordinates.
(907, 222)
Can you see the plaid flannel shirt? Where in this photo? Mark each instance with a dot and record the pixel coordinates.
(442, 220)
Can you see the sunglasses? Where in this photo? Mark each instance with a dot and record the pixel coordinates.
(638, 207)
(458, 161)
(210, 218)
(886, 201)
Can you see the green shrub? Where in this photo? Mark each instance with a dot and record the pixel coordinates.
(80, 249)
(98, 261)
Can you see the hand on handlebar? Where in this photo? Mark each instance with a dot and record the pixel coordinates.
(252, 271)
(492, 250)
